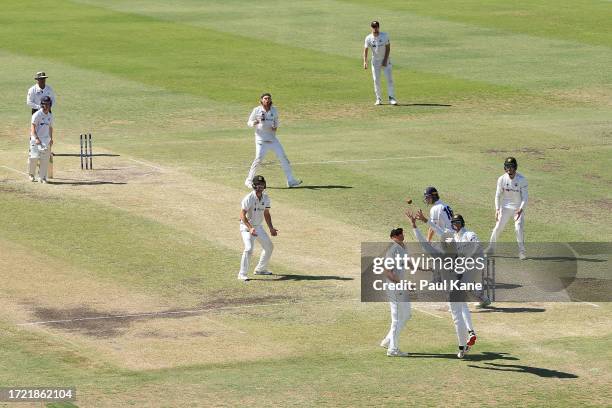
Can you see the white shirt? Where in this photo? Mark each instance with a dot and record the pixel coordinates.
(377, 44)
(441, 214)
(265, 130)
(464, 235)
(35, 94)
(394, 250)
(511, 193)
(255, 207)
(42, 122)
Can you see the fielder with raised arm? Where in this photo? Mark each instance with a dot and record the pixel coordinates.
(510, 203)
(264, 118)
(255, 208)
(462, 318)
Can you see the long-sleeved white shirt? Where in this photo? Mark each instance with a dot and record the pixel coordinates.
(511, 193)
(35, 94)
(264, 122)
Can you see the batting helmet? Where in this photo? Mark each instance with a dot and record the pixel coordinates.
(259, 180)
(510, 162)
(458, 219)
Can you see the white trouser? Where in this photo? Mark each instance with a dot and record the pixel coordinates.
(400, 314)
(506, 215)
(462, 319)
(249, 239)
(35, 156)
(376, 68)
(261, 148)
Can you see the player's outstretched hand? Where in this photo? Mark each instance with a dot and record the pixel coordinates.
(273, 232)
(411, 217)
(421, 216)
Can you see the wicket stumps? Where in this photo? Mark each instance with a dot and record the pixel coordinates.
(488, 279)
(86, 152)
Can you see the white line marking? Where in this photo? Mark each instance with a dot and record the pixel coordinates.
(148, 164)
(15, 170)
(429, 313)
(337, 161)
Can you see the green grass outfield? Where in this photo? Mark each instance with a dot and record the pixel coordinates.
(152, 234)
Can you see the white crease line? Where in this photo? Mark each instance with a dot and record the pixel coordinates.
(15, 170)
(147, 164)
(336, 161)
(429, 313)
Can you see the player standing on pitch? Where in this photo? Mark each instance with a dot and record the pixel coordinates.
(380, 45)
(399, 303)
(462, 318)
(35, 95)
(439, 213)
(255, 208)
(41, 140)
(264, 118)
(510, 202)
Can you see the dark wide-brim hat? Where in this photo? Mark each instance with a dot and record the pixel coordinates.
(40, 75)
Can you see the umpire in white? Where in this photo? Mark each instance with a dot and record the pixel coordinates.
(38, 91)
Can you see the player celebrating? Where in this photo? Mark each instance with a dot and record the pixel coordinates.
(399, 302)
(41, 140)
(510, 202)
(264, 119)
(440, 213)
(380, 45)
(466, 337)
(255, 208)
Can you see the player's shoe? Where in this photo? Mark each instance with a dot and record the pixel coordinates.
(471, 339)
(32, 178)
(385, 343)
(378, 102)
(396, 353)
(522, 256)
(42, 181)
(243, 277)
(263, 273)
(463, 352)
(294, 183)
(392, 101)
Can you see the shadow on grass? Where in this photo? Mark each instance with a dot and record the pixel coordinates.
(292, 277)
(310, 187)
(493, 309)
(83, 182)
(515, 368)
(484, 356)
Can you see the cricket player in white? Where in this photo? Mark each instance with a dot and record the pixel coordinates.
(264, 118)
(399, 302)
(255, 208)
(380, 45)
(35, 95)
(510, 202)
(462, 318)
(439, 213)
(41, 140)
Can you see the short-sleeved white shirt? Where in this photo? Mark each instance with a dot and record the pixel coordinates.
(42, 122)
(35, 95)
(255, 207)
(268, 122)
(441, 214)
(377, 45)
